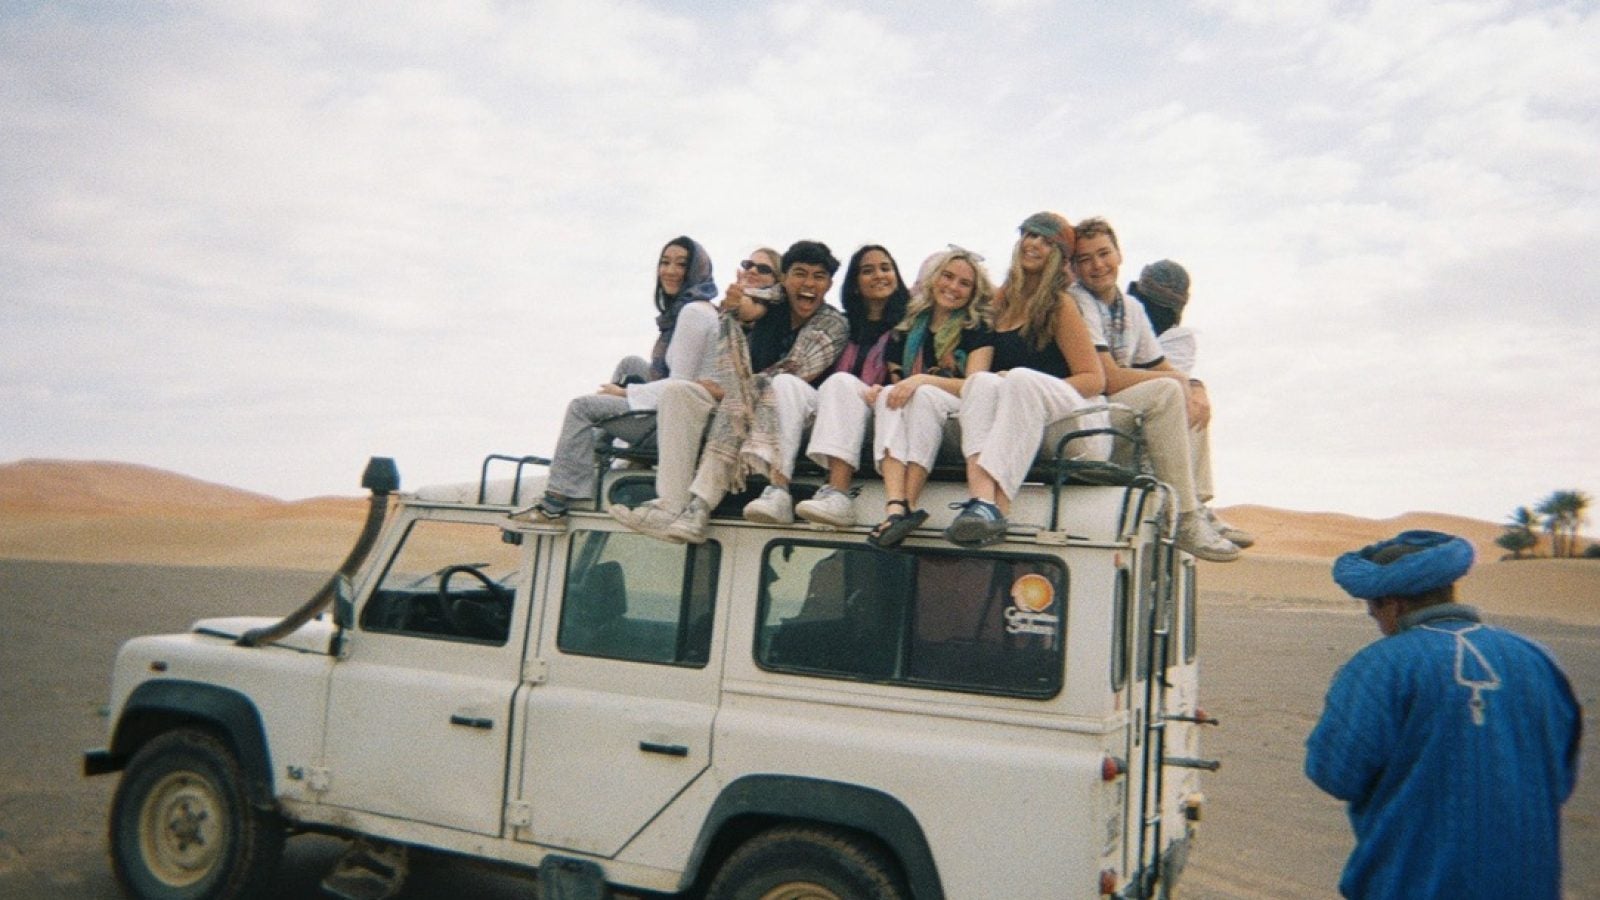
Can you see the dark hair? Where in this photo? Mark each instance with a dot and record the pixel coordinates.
(814, 253)
(664, 300)
(1161, 317)
(855, 308)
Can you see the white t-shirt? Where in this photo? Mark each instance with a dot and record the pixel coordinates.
(691, 354)
(1178, 343)
(1133, 344)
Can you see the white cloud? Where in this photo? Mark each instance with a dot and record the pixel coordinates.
(320, 232)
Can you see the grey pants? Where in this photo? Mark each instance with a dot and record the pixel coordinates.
(572, 467)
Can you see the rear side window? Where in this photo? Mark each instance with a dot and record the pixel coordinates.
(632, 597)
(928, 618)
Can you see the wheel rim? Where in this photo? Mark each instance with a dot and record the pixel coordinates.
(800, 890)
(181, 829)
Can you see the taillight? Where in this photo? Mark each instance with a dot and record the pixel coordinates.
(1108, 882)
(1111, 768)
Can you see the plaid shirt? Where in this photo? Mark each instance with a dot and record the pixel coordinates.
(816, 347)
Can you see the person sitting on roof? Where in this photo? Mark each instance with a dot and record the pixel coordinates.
(1163, 291)
(1044, 370)
(1138, 375)
(761, 397)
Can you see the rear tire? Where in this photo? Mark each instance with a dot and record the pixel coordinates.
(182, 827)
(807, 863)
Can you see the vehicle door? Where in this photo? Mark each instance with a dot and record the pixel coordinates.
(419, 711)
(622, 723)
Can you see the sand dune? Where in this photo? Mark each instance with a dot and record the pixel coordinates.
(109, 512)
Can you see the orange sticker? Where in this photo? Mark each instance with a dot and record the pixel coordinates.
(1033, 593)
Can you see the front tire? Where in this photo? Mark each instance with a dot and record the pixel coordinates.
(182, 827)
(807, 863)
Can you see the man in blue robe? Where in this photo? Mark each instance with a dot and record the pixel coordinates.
(1455, 743)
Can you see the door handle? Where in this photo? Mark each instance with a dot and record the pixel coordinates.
(483, 722)
(664, 749)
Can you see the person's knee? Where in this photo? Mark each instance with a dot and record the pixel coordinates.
(980, 383)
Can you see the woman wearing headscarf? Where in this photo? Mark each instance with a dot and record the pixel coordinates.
(1045, 368)
(686, 322)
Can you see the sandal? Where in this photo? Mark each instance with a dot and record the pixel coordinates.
(896, 526)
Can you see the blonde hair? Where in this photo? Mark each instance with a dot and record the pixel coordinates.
(1039, 306)
(979, 307)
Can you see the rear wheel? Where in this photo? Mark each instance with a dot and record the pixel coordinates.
(182, 827)
(807, 863)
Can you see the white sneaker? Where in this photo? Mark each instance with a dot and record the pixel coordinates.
(1196, 535)
(652, 518)
(830, 506)
(773, 507)
(690, 527)
(1238, 536)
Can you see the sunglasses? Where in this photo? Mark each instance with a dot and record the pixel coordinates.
(762, 268)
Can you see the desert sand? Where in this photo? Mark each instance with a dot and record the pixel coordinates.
(93, 553)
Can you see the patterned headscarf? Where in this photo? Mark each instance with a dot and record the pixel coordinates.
(697, 285)
(1053, 228)
(1164, 283)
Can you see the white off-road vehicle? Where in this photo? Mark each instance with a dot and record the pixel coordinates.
(781, 712)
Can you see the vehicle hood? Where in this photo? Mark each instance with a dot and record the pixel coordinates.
(315, 636)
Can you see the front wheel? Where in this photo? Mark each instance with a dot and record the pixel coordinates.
(806, 863)
(182, 827)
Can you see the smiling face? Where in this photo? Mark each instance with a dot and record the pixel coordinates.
(954, 285)
(1033, 252)
(1096, 264)
(805, 284)
(760, 270)
(876, 278)
(672, 269)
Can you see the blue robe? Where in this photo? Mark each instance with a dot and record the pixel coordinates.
(1445, 802)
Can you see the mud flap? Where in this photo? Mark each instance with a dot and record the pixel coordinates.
(563, 878)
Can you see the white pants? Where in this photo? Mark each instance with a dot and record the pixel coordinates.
(913, 433)
(797, 403)
(842, 416)
(1004, 420)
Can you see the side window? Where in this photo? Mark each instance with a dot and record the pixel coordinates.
(449, 580)
(1190, 626)
(927, 618)
(1119, 632)
(636, 598)
(1141, 622)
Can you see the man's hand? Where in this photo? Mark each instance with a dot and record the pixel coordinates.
(613, 390)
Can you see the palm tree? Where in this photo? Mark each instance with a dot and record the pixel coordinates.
(1519, 534)
(1517, 540)
(1565, 513)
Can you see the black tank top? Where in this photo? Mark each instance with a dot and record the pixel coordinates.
(1012, 352)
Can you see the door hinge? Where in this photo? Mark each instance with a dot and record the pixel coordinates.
(519, 814)
(318, 779)
(535, 671)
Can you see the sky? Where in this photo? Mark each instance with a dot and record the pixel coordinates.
(258, 242)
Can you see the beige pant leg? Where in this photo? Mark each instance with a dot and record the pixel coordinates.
(1200, 460)
(1166, 433)
(681, 426)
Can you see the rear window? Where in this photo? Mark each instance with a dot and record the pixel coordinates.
(945, 619)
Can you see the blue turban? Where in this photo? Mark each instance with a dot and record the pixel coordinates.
(1430, 560)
